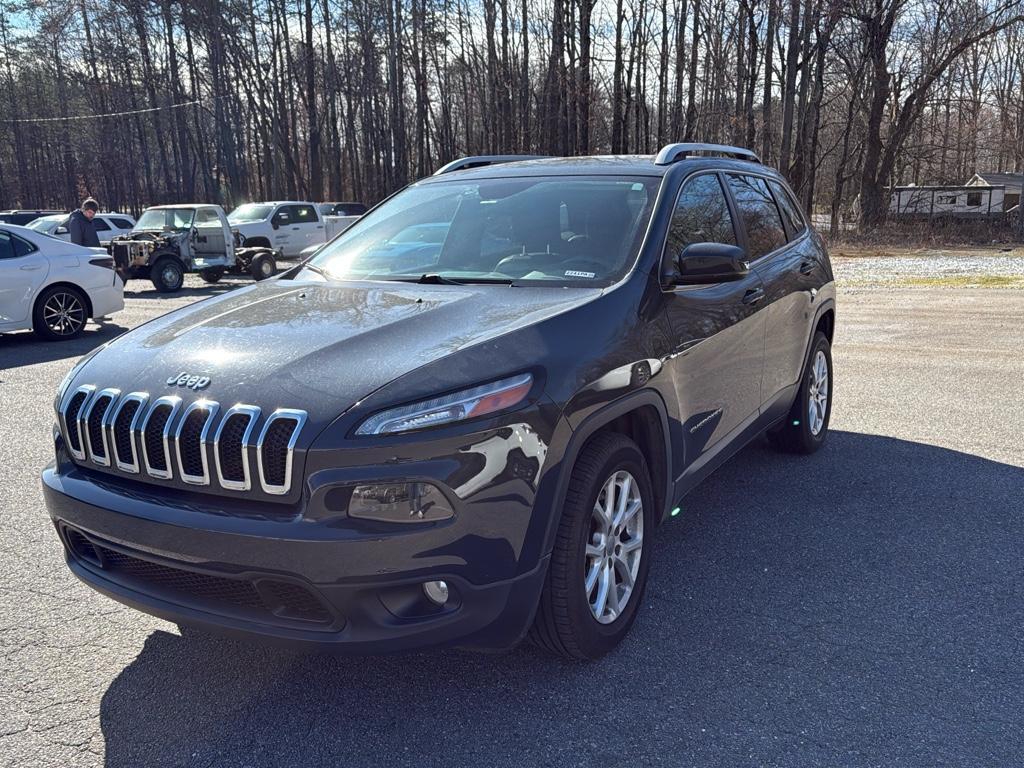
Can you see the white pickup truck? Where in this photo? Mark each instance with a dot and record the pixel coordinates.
(286, 226)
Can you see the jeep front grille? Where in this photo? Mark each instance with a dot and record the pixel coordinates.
(167, 439)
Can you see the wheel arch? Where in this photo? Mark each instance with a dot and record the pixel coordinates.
(256, 242)
(63, 284)
(643, 417)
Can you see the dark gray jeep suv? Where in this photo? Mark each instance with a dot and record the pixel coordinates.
(462, 421)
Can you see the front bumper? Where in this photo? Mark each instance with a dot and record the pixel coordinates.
(289, 580)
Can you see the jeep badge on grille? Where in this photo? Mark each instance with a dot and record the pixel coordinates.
(184, 379)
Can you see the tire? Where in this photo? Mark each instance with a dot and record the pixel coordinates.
(212, 275)
(167, 275)
(263, 266)
(805, 431)
(60, 313)
(566, 622)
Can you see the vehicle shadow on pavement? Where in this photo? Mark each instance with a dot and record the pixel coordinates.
(22, 348)
(858, 607)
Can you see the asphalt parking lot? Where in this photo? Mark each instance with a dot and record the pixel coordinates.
(862, 607)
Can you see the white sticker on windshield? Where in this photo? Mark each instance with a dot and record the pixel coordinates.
(574, 273)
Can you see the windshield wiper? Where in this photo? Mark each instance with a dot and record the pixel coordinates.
(433, 278)
(319, 270)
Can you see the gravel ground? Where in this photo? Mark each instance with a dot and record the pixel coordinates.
(861, 607)
(949, 267)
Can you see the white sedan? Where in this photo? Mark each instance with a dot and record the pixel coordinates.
(53, 286)
(108, 226)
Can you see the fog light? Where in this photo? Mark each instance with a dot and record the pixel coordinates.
(399, 503)
(437, 591)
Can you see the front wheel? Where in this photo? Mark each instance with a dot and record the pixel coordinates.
(598, 571)
(167, 275)
(806, 426)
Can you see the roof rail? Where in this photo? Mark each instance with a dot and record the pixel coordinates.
(672, 153)
(478, 161)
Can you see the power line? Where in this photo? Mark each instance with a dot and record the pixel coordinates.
(103, 116)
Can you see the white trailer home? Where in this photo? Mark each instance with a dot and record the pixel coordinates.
(1010, 182)
(967, 201)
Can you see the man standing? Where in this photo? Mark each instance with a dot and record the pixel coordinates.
(80, 226)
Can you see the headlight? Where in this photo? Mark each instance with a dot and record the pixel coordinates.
(466, 404)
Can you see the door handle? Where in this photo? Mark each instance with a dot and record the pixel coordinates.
(31, 267)
(753, 296)
(807, 266)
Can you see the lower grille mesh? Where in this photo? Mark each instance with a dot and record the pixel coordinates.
(273, 599)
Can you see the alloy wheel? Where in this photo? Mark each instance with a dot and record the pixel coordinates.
(614, 548)
(817, 397)
(64, 314)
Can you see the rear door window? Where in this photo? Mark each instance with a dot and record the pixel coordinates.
(121, 223)
(6, 246)
(303, 214)
(100, 225)
(759, 214)
(790, 210)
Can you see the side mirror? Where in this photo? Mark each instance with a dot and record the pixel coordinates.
(274, 223)
(707, 263)
(62, 230)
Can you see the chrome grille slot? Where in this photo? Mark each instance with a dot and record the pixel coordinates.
(191, 439)
(91, 425)
(69, 420)
(124, 423)
(275, 448)
(156, 436)
(231, 447)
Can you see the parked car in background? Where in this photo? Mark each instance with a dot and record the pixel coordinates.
(108, 226)
(371, 455)
(342, 209)
(171, 240)
(286, 226)
(52, 286)
(23, 217)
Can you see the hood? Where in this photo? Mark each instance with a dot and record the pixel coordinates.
(317, 346)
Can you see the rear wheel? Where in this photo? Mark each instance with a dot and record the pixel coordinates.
(599, 564)
(263, 266)
(212, 275)
(167, 275)
(806, 426)
(60, 313)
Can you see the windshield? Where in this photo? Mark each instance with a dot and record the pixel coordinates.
(176, 219)
(47, 224)
(250, 212)
(568, 229)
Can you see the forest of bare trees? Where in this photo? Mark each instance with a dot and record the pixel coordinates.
(146, 101)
